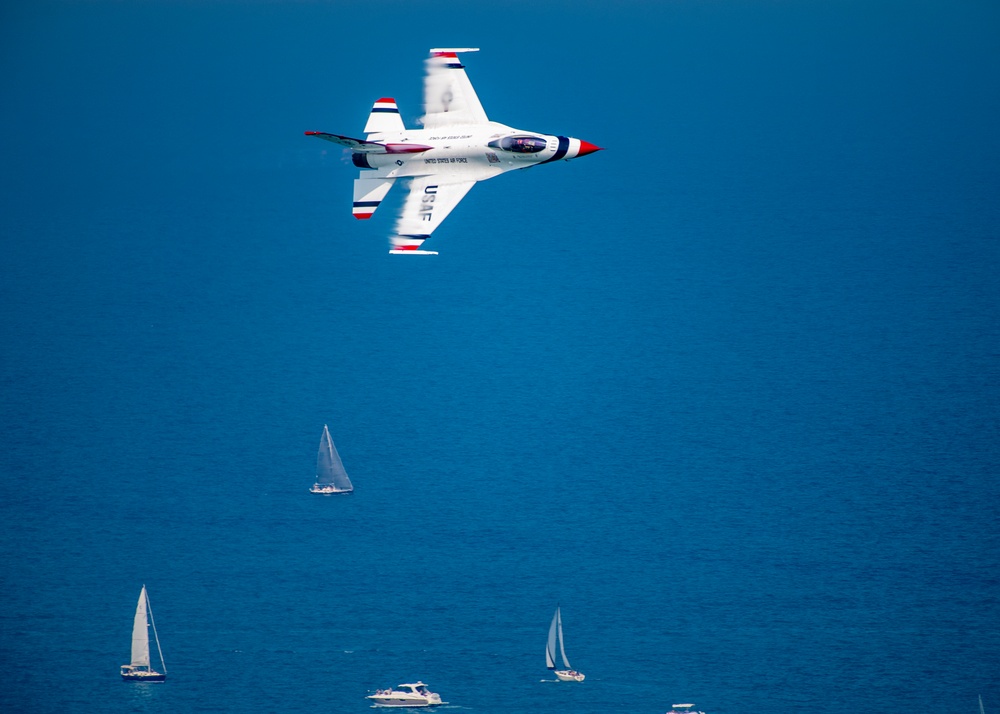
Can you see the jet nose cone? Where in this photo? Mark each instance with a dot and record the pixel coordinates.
(587, 148)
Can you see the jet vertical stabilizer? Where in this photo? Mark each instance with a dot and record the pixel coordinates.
(384, 117)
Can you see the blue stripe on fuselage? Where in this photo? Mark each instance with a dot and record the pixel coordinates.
(561, 151)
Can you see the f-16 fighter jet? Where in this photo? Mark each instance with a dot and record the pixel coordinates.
(457, 146)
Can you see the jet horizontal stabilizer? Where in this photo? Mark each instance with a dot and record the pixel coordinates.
(362, 146)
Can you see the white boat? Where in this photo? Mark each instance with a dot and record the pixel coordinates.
(415, 694)
(139, 669)
(683, 709)
(556, 633)
(330, 474)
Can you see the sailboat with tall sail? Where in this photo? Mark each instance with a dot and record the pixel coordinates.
(556, 634)
(139, 669)
(330, 474)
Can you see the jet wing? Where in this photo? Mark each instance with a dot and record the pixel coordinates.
(449, 98)
(430, 200)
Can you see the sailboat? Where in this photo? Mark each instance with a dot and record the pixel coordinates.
(330, 474)
(981, 710)
(556, 633)
(139, 670)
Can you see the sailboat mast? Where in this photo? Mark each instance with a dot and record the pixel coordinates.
(149, 608)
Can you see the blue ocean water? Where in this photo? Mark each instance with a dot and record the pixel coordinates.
(729, 397)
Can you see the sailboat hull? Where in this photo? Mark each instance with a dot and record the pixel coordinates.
(326, 490)
(565, 675)
(143, 677)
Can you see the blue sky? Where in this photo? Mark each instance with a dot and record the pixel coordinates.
(123, 88)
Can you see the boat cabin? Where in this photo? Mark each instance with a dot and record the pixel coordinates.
(415, 688)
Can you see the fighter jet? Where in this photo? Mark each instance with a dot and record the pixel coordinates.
(457, 146)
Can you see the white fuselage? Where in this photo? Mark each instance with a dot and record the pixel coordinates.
(474, 151)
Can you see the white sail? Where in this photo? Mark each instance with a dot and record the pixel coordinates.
(329, 468)
(550, 645)
(140, 633)
(562, 649)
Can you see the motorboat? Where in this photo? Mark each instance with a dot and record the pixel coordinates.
(683, 709)
(415, 694)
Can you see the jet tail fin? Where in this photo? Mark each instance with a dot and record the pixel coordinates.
(384, 117)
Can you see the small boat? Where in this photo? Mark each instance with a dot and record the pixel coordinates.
(683, 709)
(330, 474)
(139, 670)
(406, 695)
(556, 633)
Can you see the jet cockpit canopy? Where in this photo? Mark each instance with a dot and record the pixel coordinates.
(519, 144)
